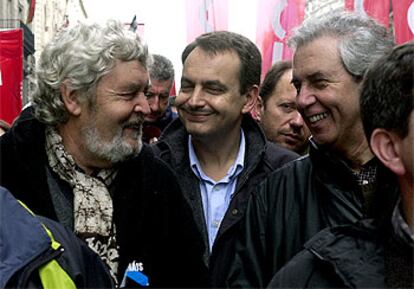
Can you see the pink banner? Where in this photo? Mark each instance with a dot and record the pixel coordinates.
(11, 74)
(377, 9)
(276, 19)
(206, 16)
(403, 20)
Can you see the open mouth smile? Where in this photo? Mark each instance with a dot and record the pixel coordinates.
(317, 117)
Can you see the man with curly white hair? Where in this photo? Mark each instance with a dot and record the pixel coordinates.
(76, 155)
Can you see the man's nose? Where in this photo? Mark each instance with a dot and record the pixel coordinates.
(196, 98)
(154, 103)
(296, 120)
(141, 104)
(305, 97)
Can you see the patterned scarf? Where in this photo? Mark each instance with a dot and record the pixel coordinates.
(93, 207)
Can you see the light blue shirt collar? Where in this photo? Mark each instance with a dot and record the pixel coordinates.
(234, 170)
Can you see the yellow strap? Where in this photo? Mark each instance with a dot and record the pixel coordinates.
(53, 276)
(55, 245)
(26, 207)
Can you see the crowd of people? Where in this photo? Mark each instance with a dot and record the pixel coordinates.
(303, 180)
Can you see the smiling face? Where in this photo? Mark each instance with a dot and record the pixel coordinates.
(209, 102)
(328, 96)
(112, 126)
(280, 118)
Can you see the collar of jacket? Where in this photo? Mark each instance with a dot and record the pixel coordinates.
(27, 144)
(167, 118)
(334, 172)
(326, 162)
(172, 147)
(173, 141)
(29, 137)
(346, 248)
(355, 251)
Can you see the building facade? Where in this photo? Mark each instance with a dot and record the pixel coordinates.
(40, 21)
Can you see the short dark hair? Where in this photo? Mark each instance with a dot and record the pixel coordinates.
(272, 78)
(222, 41)
(387, 96)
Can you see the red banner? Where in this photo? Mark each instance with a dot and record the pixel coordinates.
(403, 20)
(276, 19)
(377, 9)
(11, 74)
(206, 16)
(173, 91)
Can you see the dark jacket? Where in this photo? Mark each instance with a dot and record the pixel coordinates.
(261, 158)
(148, 206)
(351, 256)
(154, 129)
(27, 247)
(294, 204)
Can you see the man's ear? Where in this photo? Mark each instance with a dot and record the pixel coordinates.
(251, 99)
(386, 146)
(70, 99)
(259, 108)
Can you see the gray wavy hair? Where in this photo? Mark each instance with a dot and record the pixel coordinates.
(161, 68)
(78, 57)
(361, 39)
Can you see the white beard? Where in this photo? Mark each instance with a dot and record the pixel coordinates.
(116, 150)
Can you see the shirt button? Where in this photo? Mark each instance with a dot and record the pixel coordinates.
(216, 223)
(234, 212)
(365, 182)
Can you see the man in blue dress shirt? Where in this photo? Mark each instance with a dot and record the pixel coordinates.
(217, 150)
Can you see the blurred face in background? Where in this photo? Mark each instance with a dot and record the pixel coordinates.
(157, 97)
(280, 119)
